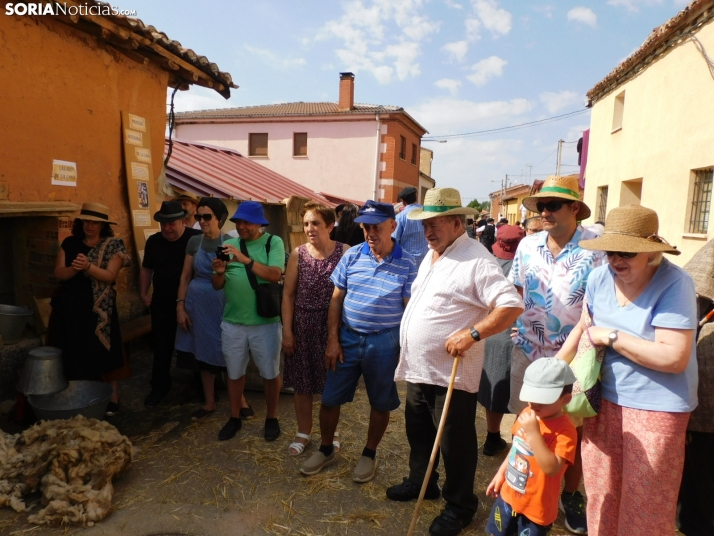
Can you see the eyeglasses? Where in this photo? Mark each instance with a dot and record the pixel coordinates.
(205, 217)
(552, 206)
(622, 254)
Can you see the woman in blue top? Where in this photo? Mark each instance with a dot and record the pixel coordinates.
(644, 311)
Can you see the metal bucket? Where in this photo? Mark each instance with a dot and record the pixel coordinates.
(82, 397)
(42, 372)
(13, 320)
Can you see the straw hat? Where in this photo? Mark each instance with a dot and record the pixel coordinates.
(95, 212)
(186, 196)
(563, 188)
(441, 202)
(701, 268)
(632, 229)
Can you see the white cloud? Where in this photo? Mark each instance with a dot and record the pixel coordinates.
(383, 37)
(494, 19)
(473, 29)
(457, 50)
(584, 15)
(450, 84)
(453, 5)
(486, 69)
(449, 115)
(547, 10)
(634, 5)
(198, 98)
(561, 100)
(274, 59)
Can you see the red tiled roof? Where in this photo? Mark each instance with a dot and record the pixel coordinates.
(660, 41)
(285, 109)
(150, 43)
(208, 170)
(339, 200)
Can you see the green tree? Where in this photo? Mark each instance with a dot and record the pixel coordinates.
(486, 205)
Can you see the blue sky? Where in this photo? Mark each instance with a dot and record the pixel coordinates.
(456, 66)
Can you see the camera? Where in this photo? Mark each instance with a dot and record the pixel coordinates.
(221, 255)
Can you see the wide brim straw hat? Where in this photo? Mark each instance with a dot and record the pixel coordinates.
(563, 188)
(701, 269)
(186, 196)
(95, 212)
(441, 202)
(631, 229)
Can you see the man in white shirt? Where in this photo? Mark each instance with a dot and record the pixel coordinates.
(459, 297)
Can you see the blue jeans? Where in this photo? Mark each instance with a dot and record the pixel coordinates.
(503, 521)
(372, 355)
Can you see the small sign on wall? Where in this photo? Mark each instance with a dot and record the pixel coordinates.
(64, 173)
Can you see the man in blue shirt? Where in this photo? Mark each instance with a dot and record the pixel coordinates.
(372, 287)
(410, 233)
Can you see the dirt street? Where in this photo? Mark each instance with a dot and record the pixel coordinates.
(184, 481)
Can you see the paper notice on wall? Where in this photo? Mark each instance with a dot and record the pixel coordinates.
(143, 191)
(132, 137)
(64, 173)
(141, 218)
(142, 154)
(137, 123)
(139, 172)
(149, 232)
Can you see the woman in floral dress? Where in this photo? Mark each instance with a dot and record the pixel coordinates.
(306, 300)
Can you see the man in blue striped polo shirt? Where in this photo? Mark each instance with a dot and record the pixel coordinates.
(410, 233)
(372, 287)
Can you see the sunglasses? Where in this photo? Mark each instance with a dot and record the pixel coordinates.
(204, 217)
(552, 206)
(621, 254)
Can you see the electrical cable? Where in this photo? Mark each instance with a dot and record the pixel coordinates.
(509, 128)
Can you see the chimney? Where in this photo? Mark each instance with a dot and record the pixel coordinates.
(347, 92)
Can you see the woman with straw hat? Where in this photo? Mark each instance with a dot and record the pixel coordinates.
(84, 322)
(643, 311)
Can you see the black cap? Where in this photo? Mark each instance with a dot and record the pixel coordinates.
(409, 190)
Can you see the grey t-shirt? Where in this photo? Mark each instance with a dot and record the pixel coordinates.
(209, 246)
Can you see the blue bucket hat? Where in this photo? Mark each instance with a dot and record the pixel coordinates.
(250, 211)
(373, 213)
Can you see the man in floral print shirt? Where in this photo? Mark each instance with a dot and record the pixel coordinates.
(550, 271)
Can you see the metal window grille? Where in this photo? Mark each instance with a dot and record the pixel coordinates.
(701, 201)
(258, 144)
(414, 153)
(402, 147)
(602, 203)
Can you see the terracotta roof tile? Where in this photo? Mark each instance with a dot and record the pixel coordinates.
(660, 41)
(286, 109)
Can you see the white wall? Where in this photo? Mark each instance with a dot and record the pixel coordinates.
(341, 156)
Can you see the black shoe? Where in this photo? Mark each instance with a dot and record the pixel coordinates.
(493, 447)
(573, 505)
(408, 490)
(272, 429)
(155, 396)
(112, 409)
(449, 523)
(230, 429)
(247, 413)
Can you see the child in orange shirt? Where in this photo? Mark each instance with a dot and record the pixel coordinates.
(544, 440)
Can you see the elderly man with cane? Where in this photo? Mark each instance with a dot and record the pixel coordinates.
(459, 298)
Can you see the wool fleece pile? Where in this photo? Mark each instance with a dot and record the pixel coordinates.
(71, 462)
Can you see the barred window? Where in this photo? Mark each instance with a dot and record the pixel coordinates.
(258, 144)
(701, 201)
(402, 147)
(601, 203)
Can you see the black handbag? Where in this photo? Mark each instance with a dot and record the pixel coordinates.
(269, 296)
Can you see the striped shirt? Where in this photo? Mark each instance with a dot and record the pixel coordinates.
(410, 234)
(375, 290)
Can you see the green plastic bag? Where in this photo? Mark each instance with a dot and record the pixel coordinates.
(587, 389)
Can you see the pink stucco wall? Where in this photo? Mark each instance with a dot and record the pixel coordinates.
(341, 156)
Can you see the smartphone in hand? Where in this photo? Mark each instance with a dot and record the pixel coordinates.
(221, 255)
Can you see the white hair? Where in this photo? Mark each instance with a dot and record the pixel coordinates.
(655, 259)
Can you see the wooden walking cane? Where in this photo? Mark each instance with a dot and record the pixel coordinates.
(435, 450)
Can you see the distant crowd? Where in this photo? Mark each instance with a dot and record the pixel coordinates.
(588, 334)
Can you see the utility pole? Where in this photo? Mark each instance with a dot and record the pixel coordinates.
(530, 168)
(560, 157)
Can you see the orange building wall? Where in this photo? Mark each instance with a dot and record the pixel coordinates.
(61, 97)
(402, 172)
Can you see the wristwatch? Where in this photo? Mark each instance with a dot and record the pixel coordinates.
(612, 337)
(475, 334)
(249, 266)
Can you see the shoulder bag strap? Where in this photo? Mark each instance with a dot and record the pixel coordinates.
(251, 276)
